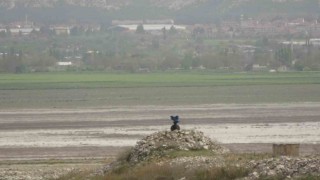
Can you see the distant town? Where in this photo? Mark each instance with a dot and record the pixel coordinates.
(243, 28)
(277, 44)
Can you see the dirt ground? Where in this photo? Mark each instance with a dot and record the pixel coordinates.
(30, 135)
(100, 132)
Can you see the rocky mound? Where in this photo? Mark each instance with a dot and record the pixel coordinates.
(285, 167)
(158, 144)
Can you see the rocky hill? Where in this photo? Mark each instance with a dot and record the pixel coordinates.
(117, 4)
(9, 4)
(184, 155)
(188, 154)
(285, 167)
(159, 144)
(182, 11)
(107, 4)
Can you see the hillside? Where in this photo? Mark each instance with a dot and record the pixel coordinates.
(184, 11)
(189, 155)
(106, 4)
(184, 155)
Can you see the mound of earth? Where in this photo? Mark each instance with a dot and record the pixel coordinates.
(178, 145)
(160, 143)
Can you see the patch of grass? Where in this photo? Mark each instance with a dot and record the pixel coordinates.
(77, 90)
(124, 155)
(80, 175)
(149, 172)
(172, 79)
(309, 177)
(56, 161)
(175, 154)
(231, 158)
(154, 171)
(221, 173)
(234, 167)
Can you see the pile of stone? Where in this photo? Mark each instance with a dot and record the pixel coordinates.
(160, 143)
(34, 172)
(285, 167)
(196, 162)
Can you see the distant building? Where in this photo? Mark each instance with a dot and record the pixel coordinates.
(64, 63)
(161, 21)
(61, 30)
(128, 22)
(258, 67)
(148, 21)
(283, 69)
(294, 43)
(152, 27)
(315, 42)
(23, 31)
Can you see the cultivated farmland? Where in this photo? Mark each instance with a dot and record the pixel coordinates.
(76, 90)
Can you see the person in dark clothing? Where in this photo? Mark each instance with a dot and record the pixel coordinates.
(175, 125)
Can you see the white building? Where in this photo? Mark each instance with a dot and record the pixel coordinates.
(152, 27)
(64, 63)
(23, 31)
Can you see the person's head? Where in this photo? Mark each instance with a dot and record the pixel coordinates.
(175, 119)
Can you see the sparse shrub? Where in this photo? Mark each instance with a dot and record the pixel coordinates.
(279, 177)
(309, 177)
(151, 171)
(193, 153)
(80, 175)
(124, 155)
(221, 173)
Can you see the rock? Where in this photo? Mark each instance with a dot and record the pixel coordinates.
(271, 173)
(255, 174)
(285, 167)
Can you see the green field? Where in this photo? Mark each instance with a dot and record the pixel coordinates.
(89, 89)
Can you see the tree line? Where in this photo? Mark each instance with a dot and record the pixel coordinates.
(141, 51)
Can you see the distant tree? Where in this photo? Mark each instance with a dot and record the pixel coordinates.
(20, 54)
(187, 61)
(311, 60)
(172, 30)
(45, 30)
(12, 63)
(37, 62)
(198, 31)
(74, 31)
(20, 67)
(164, 33)
(56, 53)
(211, 61)
(89, 32)
(155, 43)
(299, 66)
(34, 32)
(2, 34)
(140, 29)
(8, 32)
(284, 56)
(262, 42)
(60, 3)
(12, 52)
(169, 61)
